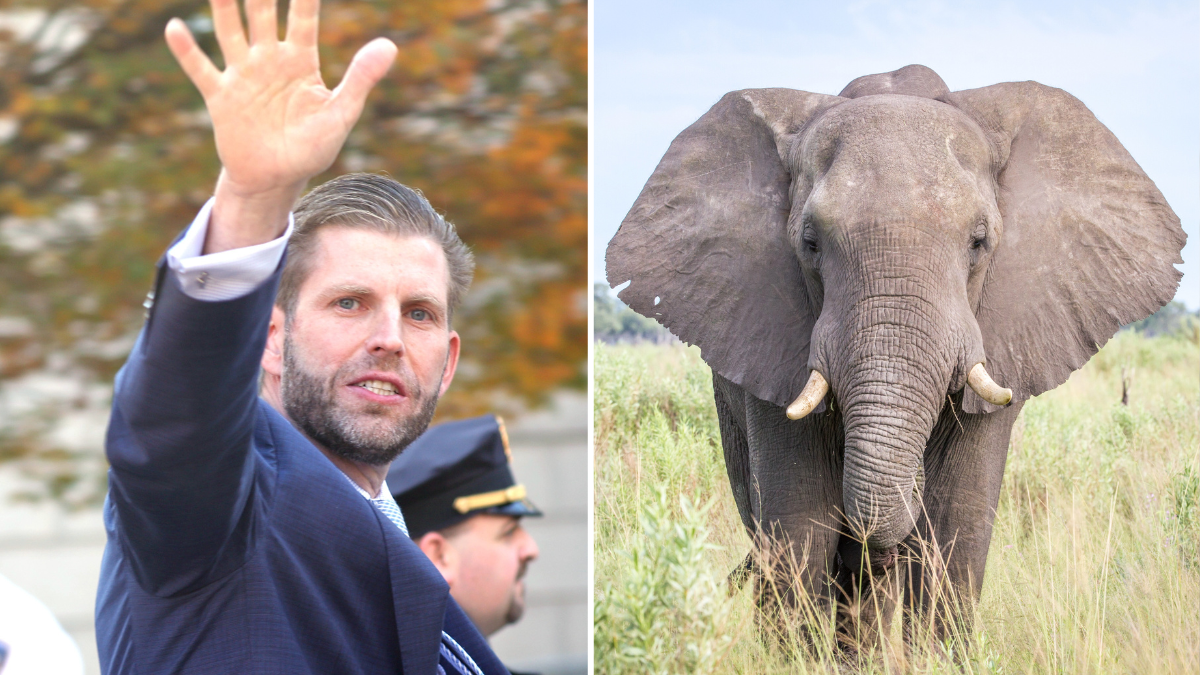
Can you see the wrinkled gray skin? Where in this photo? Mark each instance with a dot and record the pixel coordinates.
(891, 238)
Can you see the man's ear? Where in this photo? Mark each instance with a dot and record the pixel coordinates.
(451, 363)
(441, 553)
(272, 358)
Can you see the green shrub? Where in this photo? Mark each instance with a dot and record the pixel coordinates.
(667, 613)
(1183, 514)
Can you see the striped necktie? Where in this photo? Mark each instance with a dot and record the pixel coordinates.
(385, 503)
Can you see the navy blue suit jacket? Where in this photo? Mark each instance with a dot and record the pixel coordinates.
(234, 545)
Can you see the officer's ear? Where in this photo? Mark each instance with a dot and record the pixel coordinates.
(272, 358)
(441, 553)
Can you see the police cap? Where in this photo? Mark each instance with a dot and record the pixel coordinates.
(454, 471)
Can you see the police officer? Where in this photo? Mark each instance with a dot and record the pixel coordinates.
(464, 509)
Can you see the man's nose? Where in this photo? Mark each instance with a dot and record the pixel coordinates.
(387, 335)
(529, 549)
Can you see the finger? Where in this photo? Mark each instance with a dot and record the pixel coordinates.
(302, 22)
(227, 24)
(199, 69)
(369, 66)
(264, 26)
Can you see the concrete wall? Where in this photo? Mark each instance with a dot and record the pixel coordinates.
(550, 458)
(55, 555)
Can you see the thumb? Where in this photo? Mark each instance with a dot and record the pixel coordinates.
(369, 66)
(191, 58)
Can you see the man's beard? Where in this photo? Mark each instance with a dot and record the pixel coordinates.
(516, 609)
(310, 404)
(516, 604)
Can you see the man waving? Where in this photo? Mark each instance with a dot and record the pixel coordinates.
(256, 534)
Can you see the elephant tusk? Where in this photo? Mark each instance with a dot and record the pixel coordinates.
(808, 399)
(986, 387)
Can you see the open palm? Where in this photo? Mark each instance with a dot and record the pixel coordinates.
(276, 124)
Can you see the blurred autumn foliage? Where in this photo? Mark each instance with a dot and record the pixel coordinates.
(106, 153)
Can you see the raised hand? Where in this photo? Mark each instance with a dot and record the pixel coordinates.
(276, 124)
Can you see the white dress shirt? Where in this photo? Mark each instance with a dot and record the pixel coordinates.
(226, 275)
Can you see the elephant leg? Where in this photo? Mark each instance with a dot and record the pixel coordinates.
(730, 400)
(947, 552)
(796, 473)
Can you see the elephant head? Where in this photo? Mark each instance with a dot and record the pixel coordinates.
(889, 241)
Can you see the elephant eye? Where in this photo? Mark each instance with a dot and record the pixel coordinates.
(810, 243)
(979, 236)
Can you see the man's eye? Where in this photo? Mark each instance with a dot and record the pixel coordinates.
(347, 303)
(419, 315)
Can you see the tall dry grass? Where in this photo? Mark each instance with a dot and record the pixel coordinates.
(1094, 564)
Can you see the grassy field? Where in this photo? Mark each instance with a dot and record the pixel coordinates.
(1094, 564)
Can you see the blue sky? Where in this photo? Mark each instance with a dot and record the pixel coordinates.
(659, 65)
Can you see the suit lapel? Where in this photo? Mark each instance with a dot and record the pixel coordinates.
(419, 594)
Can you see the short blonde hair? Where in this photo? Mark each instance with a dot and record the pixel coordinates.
(372, 202)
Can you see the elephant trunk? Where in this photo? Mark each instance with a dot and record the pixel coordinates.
(884, 451)
(891, 376)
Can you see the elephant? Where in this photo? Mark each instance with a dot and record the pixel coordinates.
(878, 281)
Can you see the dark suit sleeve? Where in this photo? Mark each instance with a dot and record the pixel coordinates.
(181, 434)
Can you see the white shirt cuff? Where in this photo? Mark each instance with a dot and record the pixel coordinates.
(226, 275)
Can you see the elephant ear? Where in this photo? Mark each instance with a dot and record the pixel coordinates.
(705, 246)
(1089, 243)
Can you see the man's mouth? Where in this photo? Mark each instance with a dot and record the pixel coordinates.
(378, 387)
